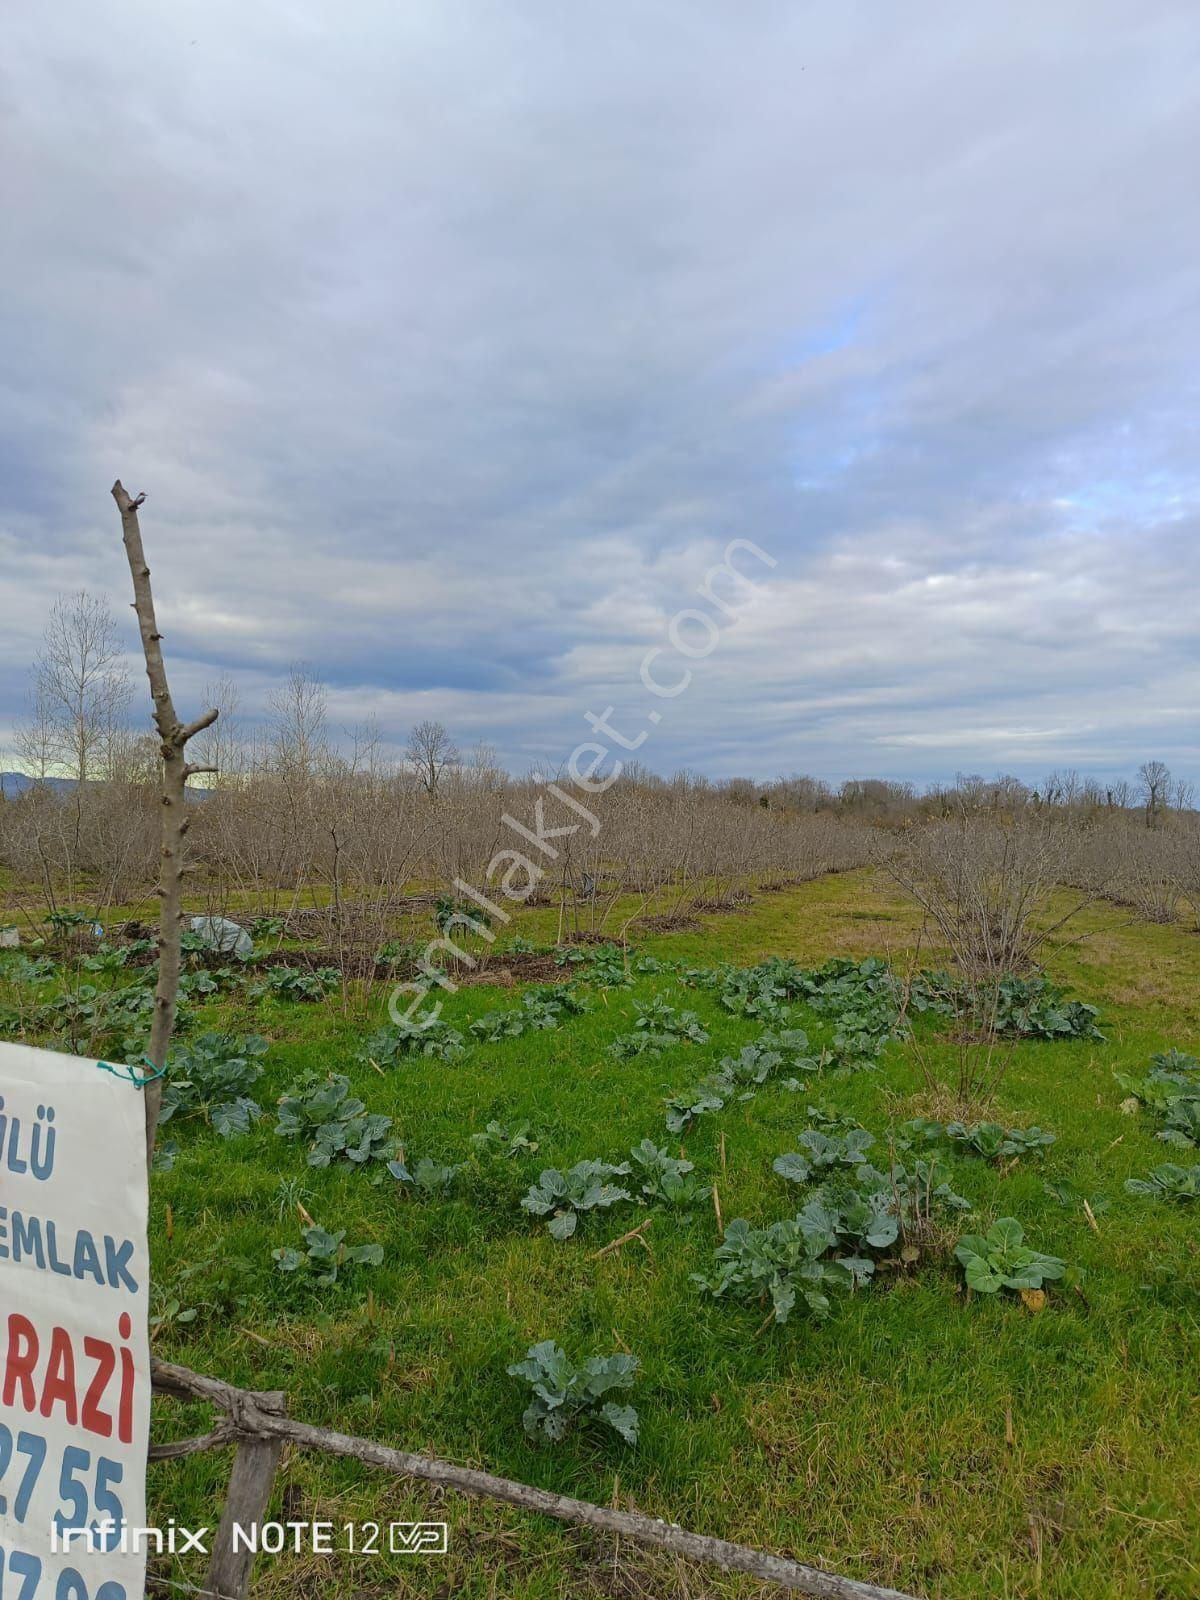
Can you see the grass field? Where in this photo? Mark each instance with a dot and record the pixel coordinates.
(949, 1445)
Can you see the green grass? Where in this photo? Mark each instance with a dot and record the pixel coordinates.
(949, 1447)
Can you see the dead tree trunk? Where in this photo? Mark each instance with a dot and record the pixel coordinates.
(173, 737)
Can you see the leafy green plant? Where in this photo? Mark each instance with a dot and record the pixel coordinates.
(399, 955)
(651, 966)
(820, 1151)
(864, 999)
(570, 955)
(919, 1190)
(108, 960)
(666, 1177)
(918, 1131)
(1168, 1182)
(426, 1176)
(767, 1056)
(293, 983)
(262, 928)
(497, 1140)
(606, 967)
(700, 977)
(987, 1139)
(404, 1038)
(210, 1076)
(200, 1291)
(565, 998)
(840, 1236)
(21, 968)
(1013, 1007)
(584, 1187)
(1183, 1124)
(1171, 1089)
(842, 981)
(1065, 1194)
(1000, 1259)
(451, 915)
(539, 1016)
(168, 1312)
(783, 1263)
(657, 1027)
(913, 1193)
(322, 1112)
(197, 985)
(829, 1119)
(710, 1094)
(103, 1021)
(1035, 1008)
(756, 992)
(494, 1025)
(326, 1255)
(565, 1393)
(738, 1077)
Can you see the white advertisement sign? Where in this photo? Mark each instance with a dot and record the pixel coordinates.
(74, 1349)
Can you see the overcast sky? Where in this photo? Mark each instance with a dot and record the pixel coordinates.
(453, 340)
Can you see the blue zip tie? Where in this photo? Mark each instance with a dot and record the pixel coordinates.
(127, 1073)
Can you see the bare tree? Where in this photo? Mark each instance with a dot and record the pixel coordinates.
(298, 714)
(220, 745)
(430, 752)
(80, 689)
(1155, 780)
(36, 737)
(483, 769)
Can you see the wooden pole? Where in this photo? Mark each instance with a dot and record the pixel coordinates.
(246, 1503)
(173, 737)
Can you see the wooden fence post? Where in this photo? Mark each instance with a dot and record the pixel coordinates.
(246, 1503)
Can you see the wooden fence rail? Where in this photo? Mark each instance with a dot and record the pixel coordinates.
(257, 1422)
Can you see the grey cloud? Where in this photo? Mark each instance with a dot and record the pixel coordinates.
(453, 342)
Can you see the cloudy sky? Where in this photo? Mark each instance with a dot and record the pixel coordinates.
(453, 340)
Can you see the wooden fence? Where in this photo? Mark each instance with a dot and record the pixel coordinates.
(258, 1424)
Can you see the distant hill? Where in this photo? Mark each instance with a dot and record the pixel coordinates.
(14, 783)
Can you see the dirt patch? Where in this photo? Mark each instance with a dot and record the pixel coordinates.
(738, 901)
(534, 966)
(306, 923)
(356, 963)
(669, 922)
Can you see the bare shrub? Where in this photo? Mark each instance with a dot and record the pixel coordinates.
(1147, 870)
(987, 885)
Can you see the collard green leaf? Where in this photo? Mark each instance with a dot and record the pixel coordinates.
(562, 1224)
